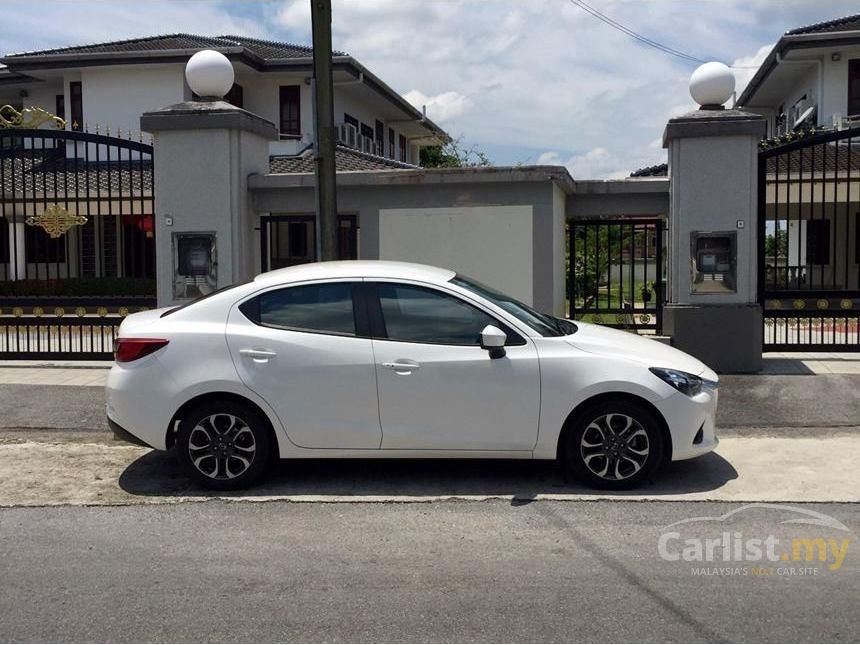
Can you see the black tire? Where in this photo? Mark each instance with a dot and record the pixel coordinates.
(602, 450)
(225, 445)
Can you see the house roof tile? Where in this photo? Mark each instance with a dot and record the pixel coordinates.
(346, 160)
(263, 49)
(658, 170)
(846, 23)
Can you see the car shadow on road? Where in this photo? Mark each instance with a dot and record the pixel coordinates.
(159, 474)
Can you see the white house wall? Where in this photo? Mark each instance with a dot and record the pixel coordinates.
(492, 244)
(116, 96)
(831, 96)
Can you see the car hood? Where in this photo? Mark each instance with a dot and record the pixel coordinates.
(596, 339)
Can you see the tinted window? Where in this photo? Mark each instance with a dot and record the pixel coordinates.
(323, 308)
(544, 324)
(422, 315)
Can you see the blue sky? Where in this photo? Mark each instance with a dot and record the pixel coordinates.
(527, 81)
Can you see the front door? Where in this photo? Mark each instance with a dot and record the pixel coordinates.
(299, 348)
(438, 389)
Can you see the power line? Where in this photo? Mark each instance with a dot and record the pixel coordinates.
(643, 39)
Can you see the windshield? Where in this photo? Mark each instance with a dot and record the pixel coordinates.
(544, 324)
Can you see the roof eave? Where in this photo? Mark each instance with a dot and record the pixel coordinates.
(786, 43)
(383, 88)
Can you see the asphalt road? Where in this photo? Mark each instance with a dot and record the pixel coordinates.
(446, 571)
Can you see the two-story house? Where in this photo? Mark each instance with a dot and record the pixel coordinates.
(809, 81)
(104, 88)
(111, 84)
(810, 78)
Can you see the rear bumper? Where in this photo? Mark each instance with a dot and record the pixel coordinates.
(121, 434)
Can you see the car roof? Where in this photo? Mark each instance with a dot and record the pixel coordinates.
(356, 269)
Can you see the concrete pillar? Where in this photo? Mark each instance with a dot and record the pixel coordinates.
(713, 311)
(203, 153)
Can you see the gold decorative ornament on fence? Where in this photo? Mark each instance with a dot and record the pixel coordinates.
(56, 220)
(29, 117)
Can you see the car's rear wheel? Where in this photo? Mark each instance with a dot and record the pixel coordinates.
(224, 445)
(613, 445)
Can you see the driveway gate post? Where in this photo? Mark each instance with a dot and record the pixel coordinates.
(203, 151)
(713, 311)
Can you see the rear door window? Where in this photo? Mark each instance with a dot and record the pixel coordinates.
(325, 308)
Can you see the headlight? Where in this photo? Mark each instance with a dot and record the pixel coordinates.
(689, 384)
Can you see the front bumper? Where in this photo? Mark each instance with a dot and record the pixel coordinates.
(686, 417)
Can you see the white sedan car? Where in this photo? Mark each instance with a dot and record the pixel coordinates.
(389, 359)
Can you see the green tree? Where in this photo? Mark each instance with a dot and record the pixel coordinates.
(776, 244)
(596, 249)
(453, 155)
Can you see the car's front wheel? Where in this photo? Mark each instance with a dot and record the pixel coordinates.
(224, 445)
(613, 445)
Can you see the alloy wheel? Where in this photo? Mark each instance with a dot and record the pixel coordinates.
(222, 446)
(615, 446)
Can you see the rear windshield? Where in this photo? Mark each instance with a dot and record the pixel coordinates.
(173, 310)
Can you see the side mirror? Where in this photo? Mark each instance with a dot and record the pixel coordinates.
(493, 339)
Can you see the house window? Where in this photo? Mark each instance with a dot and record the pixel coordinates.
(857, 238)
(60, 106)
(854, 86)
(818, 241)
(76, 99)
(403, 148)
(391, 143)
(380, 139)
(351, 120)
(290, 111)
(236, 96)
(41, 247)
(4, 241)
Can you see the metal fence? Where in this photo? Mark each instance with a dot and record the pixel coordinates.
(809, 241)
(616, 272)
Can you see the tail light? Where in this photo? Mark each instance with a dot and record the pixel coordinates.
(130, 349)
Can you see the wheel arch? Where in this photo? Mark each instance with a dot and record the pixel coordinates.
(200, 399)
(575, 414)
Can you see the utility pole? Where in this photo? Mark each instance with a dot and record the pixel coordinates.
(324, 141)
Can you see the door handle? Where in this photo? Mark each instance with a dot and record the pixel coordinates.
(402, 366)
(259, 355)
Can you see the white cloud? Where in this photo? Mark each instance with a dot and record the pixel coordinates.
(520, 77)
(441, 108)
(745, 67)
(597, 163)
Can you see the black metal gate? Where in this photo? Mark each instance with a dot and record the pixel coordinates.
(287, 240)
(809, 241)
(616, 272)
(77, 247)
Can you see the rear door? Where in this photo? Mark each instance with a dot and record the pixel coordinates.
(305, 350)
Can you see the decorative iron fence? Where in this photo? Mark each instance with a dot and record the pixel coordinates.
(74, 206)
(77, 246)
(616, 272)
(809, 241)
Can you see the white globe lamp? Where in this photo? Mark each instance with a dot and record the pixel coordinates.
(209, 74)
(712, 84)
